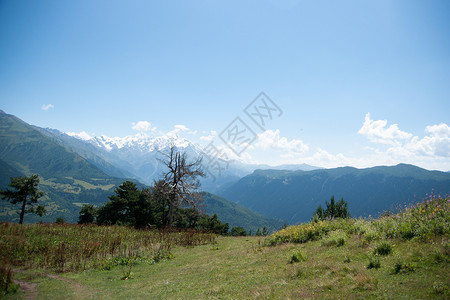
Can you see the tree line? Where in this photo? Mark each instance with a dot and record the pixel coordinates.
(149, 208)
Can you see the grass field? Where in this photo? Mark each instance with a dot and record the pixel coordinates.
(237, 268)
(346, 259)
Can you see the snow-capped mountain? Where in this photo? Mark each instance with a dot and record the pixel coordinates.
(140, 142)
(137, 156)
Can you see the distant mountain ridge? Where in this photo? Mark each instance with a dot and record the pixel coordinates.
(295, 195)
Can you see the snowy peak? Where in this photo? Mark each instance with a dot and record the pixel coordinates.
(140, 142)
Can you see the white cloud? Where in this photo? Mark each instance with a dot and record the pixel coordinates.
(378, 132)
(46, 107)
(81, 135)
(272, 139)
(142, 126)
(181, 129)
(404, 145)
(431, 151)
(209, 137)
(441, 130)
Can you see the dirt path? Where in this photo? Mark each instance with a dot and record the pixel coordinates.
(31, 289)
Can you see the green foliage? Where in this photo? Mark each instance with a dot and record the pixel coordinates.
(27, 194)
(374, 262)
(424, 220)
(60, 220)
(7, 285)
(308, 231)
(383, 248)
(297, 256)
(439, 288)
(76, 247)
(333, 210)
(403, 267)
(212, 224)
(88, 214)
(122, 207)
(238, 231)
(149, 208)
(336, 238)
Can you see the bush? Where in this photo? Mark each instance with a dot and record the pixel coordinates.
(297, 256)
(401, 267)
(336, 238)
(60, 220)
(423, 221)
(7, 285)
(374, 262)
(383, 248)
(309, 231)
(238, 231)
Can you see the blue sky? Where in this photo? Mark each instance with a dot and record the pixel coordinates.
(360, 83)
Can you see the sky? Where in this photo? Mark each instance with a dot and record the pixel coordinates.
(358, 83)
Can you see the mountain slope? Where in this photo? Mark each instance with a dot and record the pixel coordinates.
(29, 151)
(295, 195)
(237, 215)
(67, 179)
(90, 152)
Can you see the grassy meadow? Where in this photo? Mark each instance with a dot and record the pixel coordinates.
(398, 256)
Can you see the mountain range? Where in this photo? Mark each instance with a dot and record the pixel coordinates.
(295, 195)
(137, 156)
(75, 170)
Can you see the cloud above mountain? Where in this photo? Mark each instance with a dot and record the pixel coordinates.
(142, 126)
(272, 139)
(379, 132)
(404, 145)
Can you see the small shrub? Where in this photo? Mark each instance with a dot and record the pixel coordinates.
(439, 288)
(297, 256)
(238, 231)
(336, 238)
(401, 267)
(7, 285)
(438, 256)
(162, 254)
(60, 220)
(371, 235)
(384, 248)
(127, 275)
(374, 262)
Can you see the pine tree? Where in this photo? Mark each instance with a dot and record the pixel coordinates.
(26, 194)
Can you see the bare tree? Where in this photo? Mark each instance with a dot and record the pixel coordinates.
(181, 180)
